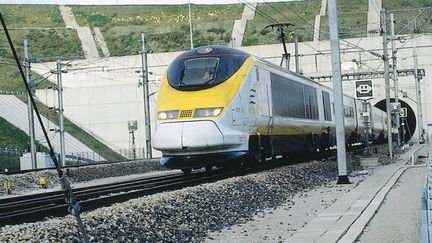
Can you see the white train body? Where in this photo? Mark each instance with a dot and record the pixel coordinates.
(260, 110)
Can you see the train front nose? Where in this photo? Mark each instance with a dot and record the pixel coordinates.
(183, 136)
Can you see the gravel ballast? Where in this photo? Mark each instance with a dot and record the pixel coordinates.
(186, 215)
(29, 181)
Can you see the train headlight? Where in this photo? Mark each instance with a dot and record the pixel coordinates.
(207, 112)
(164, 115)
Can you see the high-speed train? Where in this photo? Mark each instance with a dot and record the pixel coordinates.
(218, 103)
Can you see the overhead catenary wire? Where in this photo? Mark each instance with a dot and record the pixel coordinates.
(326, 34)
(413, 19)
(272, 20)
(302, 27)
(422, 10)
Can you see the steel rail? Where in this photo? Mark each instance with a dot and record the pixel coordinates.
(30, 208)
(36, 207)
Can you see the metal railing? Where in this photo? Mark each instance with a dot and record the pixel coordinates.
(10, 157)
(426, 214)
(137, 153)
(16, 150)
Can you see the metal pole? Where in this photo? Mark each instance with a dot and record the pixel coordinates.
(133, 145)
(395, 78)
(146, 96)
(190, 26)
(366, 126)
(418, 98)
(61, 116)
(337, 93)
(30, 107)
(387, 81)
(297, 63)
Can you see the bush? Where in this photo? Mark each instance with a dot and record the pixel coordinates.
(99, 20)
(250, 41)
(216, 30)
(265, 31)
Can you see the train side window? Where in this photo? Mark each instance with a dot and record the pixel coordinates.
(288, 97)
(326, 104)
(311, 102)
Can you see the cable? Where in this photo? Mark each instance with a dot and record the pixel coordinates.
(305, 21)
(413, 19)
(325, 34)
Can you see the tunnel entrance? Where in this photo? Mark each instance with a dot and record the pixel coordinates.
(407, 124)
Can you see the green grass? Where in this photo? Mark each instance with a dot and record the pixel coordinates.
(302, 14)
(405, 19)
(166, 27)
(352, 20)
(127, 40)
(32, 16)
(9, 161)
(10, 136)
(162, 16)
(11, 79)
(43, 43)
(50, 44)
(405, 4)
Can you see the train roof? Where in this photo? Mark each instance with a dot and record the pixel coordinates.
(216, 50)
(212, 50)
(286, 70)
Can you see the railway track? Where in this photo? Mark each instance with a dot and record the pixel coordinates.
(35, 207)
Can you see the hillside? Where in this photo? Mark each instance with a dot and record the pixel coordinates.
(11, 137)
(167, 27)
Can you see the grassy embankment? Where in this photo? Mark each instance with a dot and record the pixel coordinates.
(11, 136)
(302, 14)
(404, 19)
(166, 26)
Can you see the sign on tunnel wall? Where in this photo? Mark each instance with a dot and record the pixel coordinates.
(364, 89)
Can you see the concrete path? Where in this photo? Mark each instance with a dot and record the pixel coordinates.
(68, 17)
(84, 33)
(240, 25)
(87, 42)
(317, 25)
(345, 220)
(400, 213)
(374, 18)
(101, 42)
(14, 111)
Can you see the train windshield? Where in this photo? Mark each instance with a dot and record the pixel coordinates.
(199, 71)
(204, 67)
